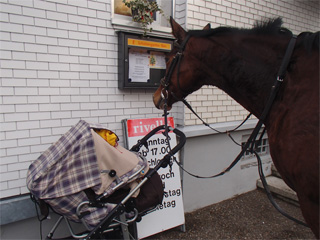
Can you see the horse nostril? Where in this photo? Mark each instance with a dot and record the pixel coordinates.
(156, 101)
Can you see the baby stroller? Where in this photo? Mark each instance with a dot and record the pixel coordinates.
(84, 177)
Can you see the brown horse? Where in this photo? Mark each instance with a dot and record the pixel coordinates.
(244, 64)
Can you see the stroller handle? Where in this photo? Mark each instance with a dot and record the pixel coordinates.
(182, 141)
(143, 141)
(120, 208)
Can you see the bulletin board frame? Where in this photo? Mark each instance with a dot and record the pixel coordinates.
(134, 52)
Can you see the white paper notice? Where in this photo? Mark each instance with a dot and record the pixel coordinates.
(139, 70)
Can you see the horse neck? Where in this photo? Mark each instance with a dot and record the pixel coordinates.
(244, 67)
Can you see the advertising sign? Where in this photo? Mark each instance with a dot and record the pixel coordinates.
(170, 213)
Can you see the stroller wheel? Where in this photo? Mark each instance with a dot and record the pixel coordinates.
(127, 232)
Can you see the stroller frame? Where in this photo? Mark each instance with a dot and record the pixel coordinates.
(123, 222)
(117, 216)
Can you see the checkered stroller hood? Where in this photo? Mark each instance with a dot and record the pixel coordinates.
(79, 160)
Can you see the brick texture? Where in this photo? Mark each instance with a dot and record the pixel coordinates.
(59, 65)
(210, 103)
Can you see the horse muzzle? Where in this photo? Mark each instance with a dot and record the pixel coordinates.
(159, 99)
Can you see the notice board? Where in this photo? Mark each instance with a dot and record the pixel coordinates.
(141, 60)
(170, 213)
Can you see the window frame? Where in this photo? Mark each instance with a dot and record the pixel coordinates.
(262, 147)
(125, 23)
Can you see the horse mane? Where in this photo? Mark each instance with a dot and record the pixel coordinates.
(310, 40)
(271, 26)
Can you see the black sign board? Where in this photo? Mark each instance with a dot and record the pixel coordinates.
(141, 60)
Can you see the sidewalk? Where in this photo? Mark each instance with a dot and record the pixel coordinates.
(248, 216)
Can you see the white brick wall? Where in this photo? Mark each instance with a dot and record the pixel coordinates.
(297, 16)
(59, 65)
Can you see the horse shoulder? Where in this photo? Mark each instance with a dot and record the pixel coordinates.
(293, 124)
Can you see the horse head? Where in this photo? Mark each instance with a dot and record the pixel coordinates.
(183, 74)
(248, 64)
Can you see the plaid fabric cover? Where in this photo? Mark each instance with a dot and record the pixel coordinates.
(65, 169)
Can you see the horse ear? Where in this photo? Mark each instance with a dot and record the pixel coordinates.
(177, 30)
(207, 27)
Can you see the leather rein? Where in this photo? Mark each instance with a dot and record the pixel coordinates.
(249, 146)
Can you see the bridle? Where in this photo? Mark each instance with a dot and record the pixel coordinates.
(251, 142)
(249, 145)
(176, 60)
(165, 83)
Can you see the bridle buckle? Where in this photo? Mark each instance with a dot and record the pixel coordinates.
(164, 83)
